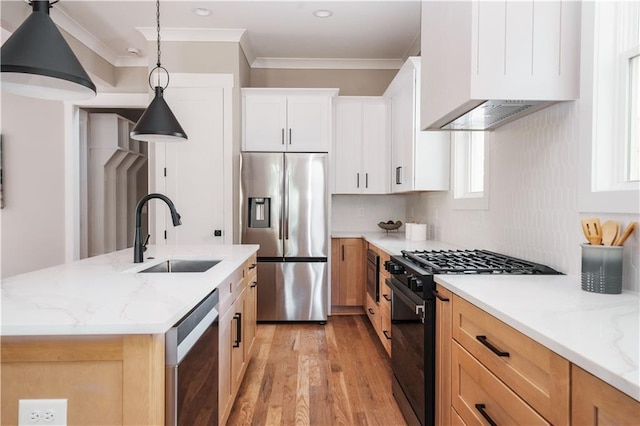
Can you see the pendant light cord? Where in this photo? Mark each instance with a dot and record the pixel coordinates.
(158, 29)
(158, 65)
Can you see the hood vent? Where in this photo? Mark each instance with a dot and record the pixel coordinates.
(494, 113)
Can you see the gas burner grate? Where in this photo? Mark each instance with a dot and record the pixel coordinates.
(473, 262)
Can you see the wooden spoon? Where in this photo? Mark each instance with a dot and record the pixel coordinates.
(627, 231)
(610, 232)
(592, 230)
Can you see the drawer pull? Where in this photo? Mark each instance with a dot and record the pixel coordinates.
(255, 283)
(371, 311)
(487, 417)
(484, 341)
(441, 298)
(386, 334)
(386, 297)
(253, 265)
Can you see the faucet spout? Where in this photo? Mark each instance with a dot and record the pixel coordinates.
(138, 247)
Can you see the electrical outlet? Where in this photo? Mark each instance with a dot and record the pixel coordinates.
(43, 412)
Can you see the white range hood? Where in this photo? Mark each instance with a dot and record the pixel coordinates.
(487, 63)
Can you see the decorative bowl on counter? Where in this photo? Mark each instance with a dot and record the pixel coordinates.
(390, 225)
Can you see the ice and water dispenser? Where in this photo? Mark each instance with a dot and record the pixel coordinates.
(259, 212)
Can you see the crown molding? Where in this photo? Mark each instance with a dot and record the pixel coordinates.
(314, 63)
(193, 34)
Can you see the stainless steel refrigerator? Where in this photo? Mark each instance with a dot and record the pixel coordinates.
(284, 209)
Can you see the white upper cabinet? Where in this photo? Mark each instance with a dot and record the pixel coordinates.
(521, 55)
(362, 145)
(294, 120)
(419, 160)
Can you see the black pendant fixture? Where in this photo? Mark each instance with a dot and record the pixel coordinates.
(157, 123)
(37, 62)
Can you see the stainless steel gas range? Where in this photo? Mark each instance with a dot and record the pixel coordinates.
(413, 317)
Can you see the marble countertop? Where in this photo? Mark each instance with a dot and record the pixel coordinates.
(106, 295)
(600, 333)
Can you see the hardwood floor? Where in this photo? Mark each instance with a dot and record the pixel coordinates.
(311, 374)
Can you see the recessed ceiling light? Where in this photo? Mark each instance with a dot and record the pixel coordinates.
(133, 51)
(201, 11)
(322, 13)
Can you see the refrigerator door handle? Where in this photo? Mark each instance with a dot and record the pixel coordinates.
(285, 201)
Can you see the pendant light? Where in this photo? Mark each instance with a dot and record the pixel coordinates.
(157, 123)
(37, 62)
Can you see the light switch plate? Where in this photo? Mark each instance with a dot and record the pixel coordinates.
(42, 412)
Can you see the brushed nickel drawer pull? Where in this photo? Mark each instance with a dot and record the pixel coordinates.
(487, 417)
(484, 341)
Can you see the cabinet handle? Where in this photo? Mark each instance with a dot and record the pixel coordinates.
(283, 136)
(357, 180)
(386, 334)
(439, 296)
(255, 284)
(289, 136)
(343, 252)
(238, 318)
(371, 311)
(487, 417)
(386, 297)
(366, 180)
(253, 265)
(484, 341)
(399, 175)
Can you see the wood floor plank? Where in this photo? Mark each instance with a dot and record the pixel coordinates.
(312, 374)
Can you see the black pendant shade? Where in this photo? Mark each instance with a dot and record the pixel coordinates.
(157, 123)
(37, 62)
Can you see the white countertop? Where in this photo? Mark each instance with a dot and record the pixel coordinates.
(598, 332)
(394, 242)
(105, 295)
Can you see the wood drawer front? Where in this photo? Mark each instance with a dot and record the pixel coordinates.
(537, 374)
(371, 309)
(456, 420)
(473, 384)
(229, 289)
(385, 298)
(385, 329)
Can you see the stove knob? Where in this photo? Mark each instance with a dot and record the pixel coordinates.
(415, 284)
(393, 268)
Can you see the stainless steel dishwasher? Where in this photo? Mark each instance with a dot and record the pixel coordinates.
(191, 374)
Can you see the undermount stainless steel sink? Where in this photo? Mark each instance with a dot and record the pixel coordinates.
(177, 265)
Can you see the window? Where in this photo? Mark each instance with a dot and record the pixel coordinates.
(610, 101)
(470, 160)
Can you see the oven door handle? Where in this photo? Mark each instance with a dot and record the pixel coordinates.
(417, 308)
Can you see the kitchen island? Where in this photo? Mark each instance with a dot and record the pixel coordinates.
(92, 331)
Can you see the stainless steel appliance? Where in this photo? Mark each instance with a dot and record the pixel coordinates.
(373, 278)
(283, 208)
(413, 310)
(191, 366)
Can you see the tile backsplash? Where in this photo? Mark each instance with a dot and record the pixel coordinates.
(533, 190)
(361, 213)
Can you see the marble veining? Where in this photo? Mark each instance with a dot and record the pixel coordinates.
(106, 295)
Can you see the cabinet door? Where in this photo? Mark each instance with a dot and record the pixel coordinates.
(594, 402)
(351, 292)
(348, 147)
(251, 314)
(375, 147)
(402, 112)
(309, 123)
(443, 356)
(224, 365)
(237, 342)
(264, 120)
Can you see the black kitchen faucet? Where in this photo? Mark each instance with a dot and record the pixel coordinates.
(138, 247)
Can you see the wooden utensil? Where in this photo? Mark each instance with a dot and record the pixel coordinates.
(592, 230)
(610, 232)
(627, 231)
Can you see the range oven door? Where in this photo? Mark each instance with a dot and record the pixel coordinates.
(373, 268)
(413, 353)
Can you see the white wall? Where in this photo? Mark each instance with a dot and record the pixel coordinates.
(33, 219)
(361, 213)
(533, 197)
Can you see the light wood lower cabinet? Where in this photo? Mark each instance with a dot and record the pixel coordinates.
(594, 402)
(236, 333)
(347, 272)
(487, 370)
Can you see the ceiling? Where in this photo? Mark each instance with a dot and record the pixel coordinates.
(358, 34)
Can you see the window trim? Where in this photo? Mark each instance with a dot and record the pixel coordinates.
(468, 200)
